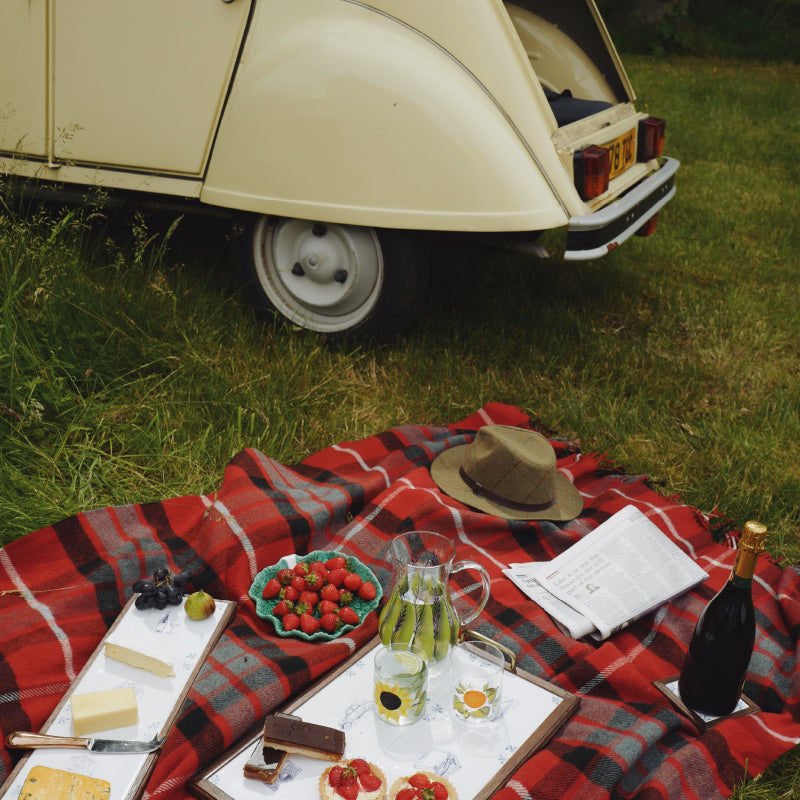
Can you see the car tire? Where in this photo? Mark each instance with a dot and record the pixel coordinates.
(330, 278)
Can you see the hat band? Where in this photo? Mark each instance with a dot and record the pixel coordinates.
(482, 491)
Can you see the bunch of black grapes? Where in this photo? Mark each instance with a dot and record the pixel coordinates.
(165, 588)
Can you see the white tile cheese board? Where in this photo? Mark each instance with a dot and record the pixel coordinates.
(181, 643)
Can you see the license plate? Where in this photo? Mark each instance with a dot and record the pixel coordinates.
(622, 151)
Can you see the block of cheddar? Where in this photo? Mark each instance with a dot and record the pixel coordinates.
(46, 783)
(102, 711)
(138, 653)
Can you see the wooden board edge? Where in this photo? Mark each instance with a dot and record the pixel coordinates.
(701, 724)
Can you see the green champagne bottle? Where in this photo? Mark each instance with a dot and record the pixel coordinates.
(716, 663)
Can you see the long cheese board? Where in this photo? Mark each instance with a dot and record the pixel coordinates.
(166, 636)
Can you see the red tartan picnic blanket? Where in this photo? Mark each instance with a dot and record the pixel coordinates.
(63, 586)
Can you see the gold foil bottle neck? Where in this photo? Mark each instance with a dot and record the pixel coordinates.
(754, 535)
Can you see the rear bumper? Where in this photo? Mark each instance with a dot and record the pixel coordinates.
(597, 234)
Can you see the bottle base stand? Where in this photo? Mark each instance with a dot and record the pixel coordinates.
(669, 688)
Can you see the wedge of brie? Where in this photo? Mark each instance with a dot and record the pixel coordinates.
(138, 655)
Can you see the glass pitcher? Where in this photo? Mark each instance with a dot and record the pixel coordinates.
(419, 608)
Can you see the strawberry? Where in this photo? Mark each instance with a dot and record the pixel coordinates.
(360, 765)
(348, 792)
(301, 569)
(298, 583)
(367, 591)
(289, 593)
(313, 581)
(327, 607)
(419, 781)
(439, 791)
(271, 589)
(282, 607)
(336, 562)
(308, 624)
(335, 775)
(285, 576)
(309, 598)
(369, 782)
(330, 592)
(318, 567)
(329, 622)
(301, 608)
(290, 621)
(345, 597)
(407, 794)
(336, 576)
(352, 581)
(348, 616)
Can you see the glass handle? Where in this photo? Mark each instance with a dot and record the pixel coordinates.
(485, 587)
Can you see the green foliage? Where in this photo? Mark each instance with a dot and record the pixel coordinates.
(739, 29)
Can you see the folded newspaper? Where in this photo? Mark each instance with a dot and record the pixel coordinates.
(622, 570)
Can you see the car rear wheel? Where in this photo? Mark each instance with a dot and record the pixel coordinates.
(332, 278)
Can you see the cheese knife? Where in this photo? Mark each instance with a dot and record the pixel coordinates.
(33, 740)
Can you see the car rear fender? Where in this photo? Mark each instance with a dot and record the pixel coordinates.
(341, 113)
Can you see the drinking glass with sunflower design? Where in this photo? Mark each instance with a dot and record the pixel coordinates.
(401, 683)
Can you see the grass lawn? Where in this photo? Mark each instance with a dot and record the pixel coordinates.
(131, 371)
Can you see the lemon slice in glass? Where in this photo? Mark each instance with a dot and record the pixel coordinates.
(410, 663)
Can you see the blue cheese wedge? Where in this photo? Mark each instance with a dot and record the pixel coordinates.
(46, 783)
(140, 654)
(102, 711)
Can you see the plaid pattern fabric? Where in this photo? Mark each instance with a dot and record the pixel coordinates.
(62, 587)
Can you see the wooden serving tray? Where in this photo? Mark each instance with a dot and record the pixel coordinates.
(183, 642)
(476, 759)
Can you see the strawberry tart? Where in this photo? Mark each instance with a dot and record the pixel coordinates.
(422, 786)
(352, 779)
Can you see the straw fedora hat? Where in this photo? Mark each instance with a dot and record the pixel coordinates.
(509, 472)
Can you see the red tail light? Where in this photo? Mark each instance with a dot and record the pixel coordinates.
(649, 226)
(592, 167)
(651, 138)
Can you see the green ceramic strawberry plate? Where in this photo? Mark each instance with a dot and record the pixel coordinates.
(362, 606)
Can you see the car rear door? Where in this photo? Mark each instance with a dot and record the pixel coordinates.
(140, 85)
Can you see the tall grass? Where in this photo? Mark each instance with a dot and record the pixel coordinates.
(130, 371)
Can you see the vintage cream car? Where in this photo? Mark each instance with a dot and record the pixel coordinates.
(337, 129)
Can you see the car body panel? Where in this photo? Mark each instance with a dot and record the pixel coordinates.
(23, 65)
(389, 129)
(130, 85)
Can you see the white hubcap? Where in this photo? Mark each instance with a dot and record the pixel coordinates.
(322, 276)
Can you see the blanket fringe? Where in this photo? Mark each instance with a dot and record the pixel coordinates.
(38, 591)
